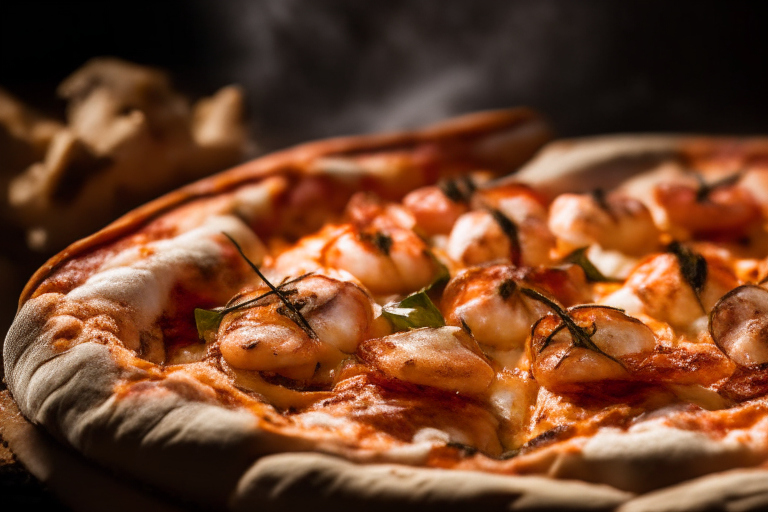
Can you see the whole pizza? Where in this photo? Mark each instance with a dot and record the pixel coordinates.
(399, 321)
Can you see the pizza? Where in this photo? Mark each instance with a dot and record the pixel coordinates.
(399, 321)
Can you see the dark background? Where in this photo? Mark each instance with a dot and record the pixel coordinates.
(315, 68)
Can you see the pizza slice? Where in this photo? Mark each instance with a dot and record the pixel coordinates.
(384, 321)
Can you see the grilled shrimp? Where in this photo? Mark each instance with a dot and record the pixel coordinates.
(510, 224)
(444, 358)
(739, 325)
(724, 213)
(659, 289)
(488, 302)
(380, 249)
(615, 222)
(593, 348)
(434, 212)
(267, 336)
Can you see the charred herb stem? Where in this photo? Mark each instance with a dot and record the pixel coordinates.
(510, 231)
(579, 257)
(458, 190)
(705, 189)
(382, 241)
(579, 336)
(299, 318)
(250, 302)
(598, 194)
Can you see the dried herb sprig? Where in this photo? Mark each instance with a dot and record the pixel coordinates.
(208, 320)
(693, 267)
(296, 315)
(458, 190)
(510, 230)
(705, 189)
(250, 302)
(580, 336)
(600, 197)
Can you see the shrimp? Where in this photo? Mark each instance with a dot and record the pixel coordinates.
(739, 325)
(512, 226)
(721, 212)
(592, 344)
(615, 222)
(435, 213)
(266, 336)
(444, 358)
(488, 302)
(659, 289)
(379, 248)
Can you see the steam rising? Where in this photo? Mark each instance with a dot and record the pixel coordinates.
(326, 68)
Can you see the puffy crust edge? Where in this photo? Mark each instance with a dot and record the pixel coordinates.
(196, 450)
(583, 164)
(298, 481)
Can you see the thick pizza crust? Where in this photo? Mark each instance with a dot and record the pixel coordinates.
(194, 450)
(202, 453)
(300, 481)
(731, 491)
(581, 165)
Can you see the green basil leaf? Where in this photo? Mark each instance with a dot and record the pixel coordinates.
(207, 322)
(579, 257)
(414, 311)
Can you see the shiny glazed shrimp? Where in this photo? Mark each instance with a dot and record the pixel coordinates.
(573, 350)
(509, 223)
(488, 300)
(721, 212)
(615, 222)
(380, 249)
(435, 213)
(267, 337)
(659, 289)
(444, 358)
(739, 325)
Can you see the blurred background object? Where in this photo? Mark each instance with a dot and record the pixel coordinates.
(129, 137)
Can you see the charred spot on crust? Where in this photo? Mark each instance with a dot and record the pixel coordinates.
(465, 449)
(551, 436)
